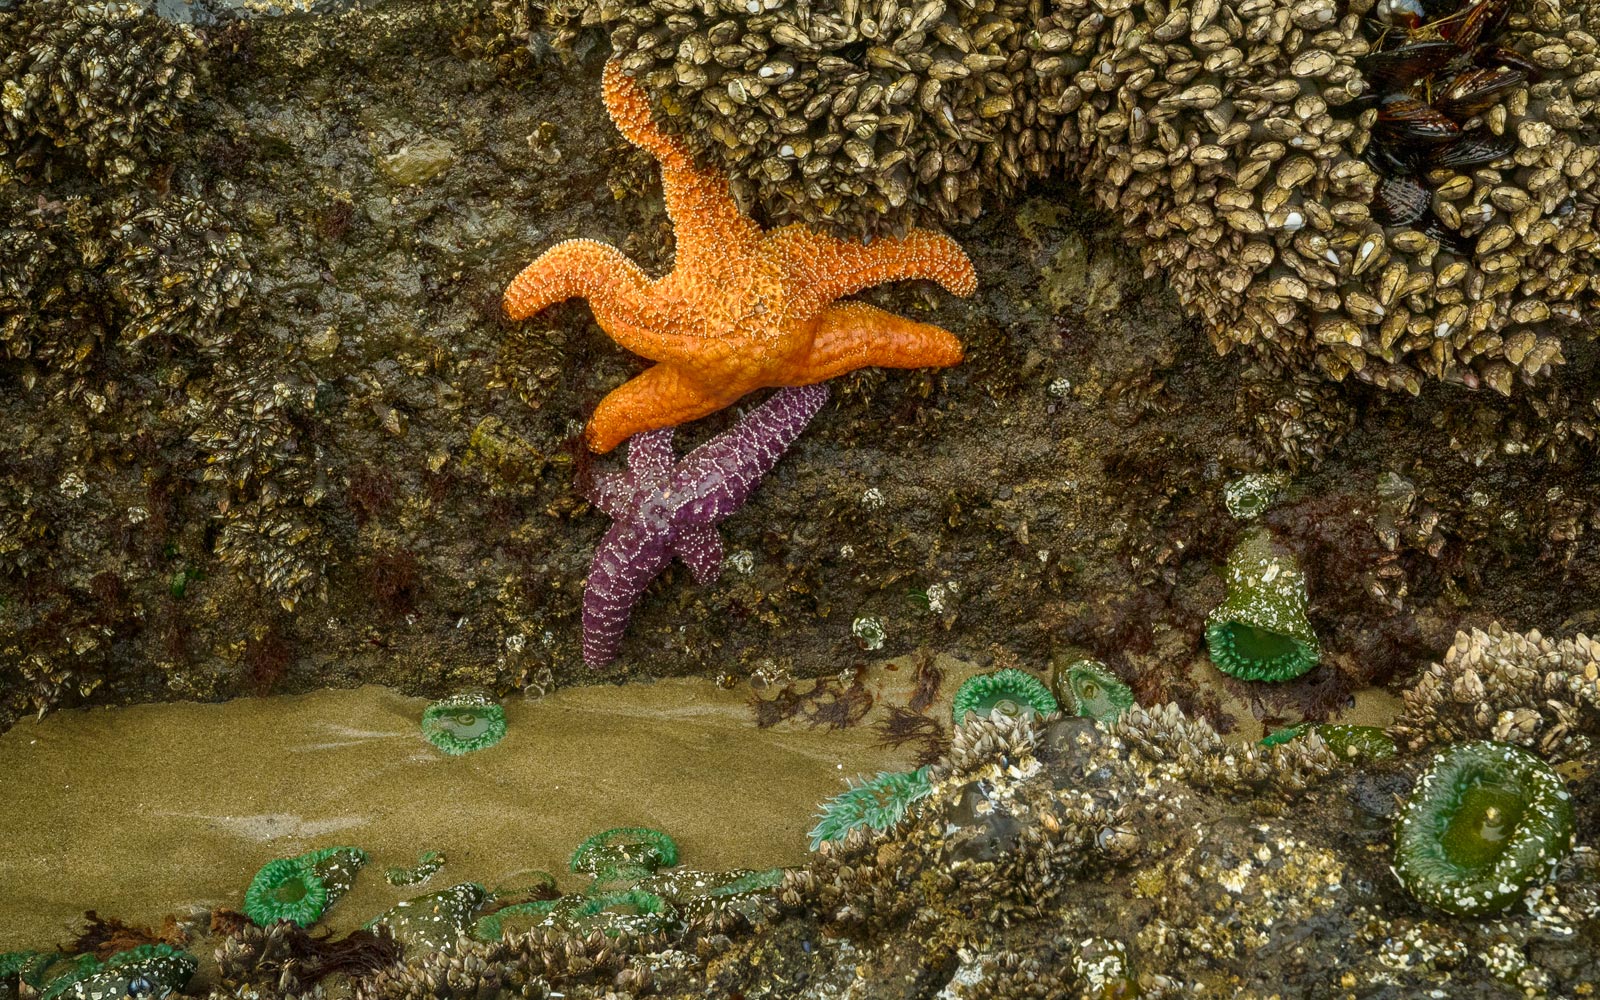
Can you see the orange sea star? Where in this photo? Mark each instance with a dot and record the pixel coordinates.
(742, 309)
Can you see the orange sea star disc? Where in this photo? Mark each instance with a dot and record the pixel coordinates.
(742, 309)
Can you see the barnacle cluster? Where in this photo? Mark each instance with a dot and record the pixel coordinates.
(252, 441)
(106, 81)
(1525, 689)
(1232, 140)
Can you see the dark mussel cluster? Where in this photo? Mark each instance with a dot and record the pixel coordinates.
(1436, 69)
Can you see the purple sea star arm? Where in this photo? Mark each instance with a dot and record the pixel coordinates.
(630, 555)
(717, 478)
(611, 491)
(700, 547)
(650, 457)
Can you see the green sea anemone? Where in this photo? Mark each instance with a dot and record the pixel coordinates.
(877, 804)
(625, 850)
(437, 919)
(520, 916)
(1089, 689)
(1349, 742)
(300, 889)
(1260, 632)
(59, 980)
(427, 864)
(1485, 822)
(463, 723)
(1009, 691)
(634, 912)
(147, 971)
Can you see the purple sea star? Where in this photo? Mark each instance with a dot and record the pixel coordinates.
(662, 509)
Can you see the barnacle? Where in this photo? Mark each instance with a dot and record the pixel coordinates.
(463, 723)
(1485, 822)
(1528, 689)
(877, 804)
(300, 889)
(1260, 631)
(1009, 692)
(1235, 143)
(1088, 688)
(104, 81)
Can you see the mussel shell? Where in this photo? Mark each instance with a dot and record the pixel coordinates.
(1403, 66)
(1400, 201)
(1406, 121)
(1475, 90)
(1472, 150)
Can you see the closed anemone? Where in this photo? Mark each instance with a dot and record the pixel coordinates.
(1260, 632)
(1348, 741)
(877, 804)
(627, 847)
(463, 723)
(1009, 692)
(1089, 689)
(1486, 822)
(299, 889)
(632, 912)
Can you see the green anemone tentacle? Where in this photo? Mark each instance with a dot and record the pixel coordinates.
(1089, 688)
(876, 804)
(1009, 691)
(1260, 632)
(463, 723)
(491, 927)
(300, 889)
(624, 848)
(428, 863)
(1486, 822)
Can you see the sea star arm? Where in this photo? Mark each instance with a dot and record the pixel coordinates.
(650, 457)
(705, 220)
(821, 268)
(596, 271)
(658, 397)
(855, 335)
(718, 477)
(700, 547)
(628, 558)
(611, 491)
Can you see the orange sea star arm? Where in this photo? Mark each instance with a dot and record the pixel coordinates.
(658, 397)
(855, 335)
(705, 220)
(821, 268)
(588, 269)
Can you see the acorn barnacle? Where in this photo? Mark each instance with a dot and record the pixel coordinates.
(299, 889)
(1260, 631)
(877, 804)
(1485, 822)
(1010, 692)
(463, 723)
